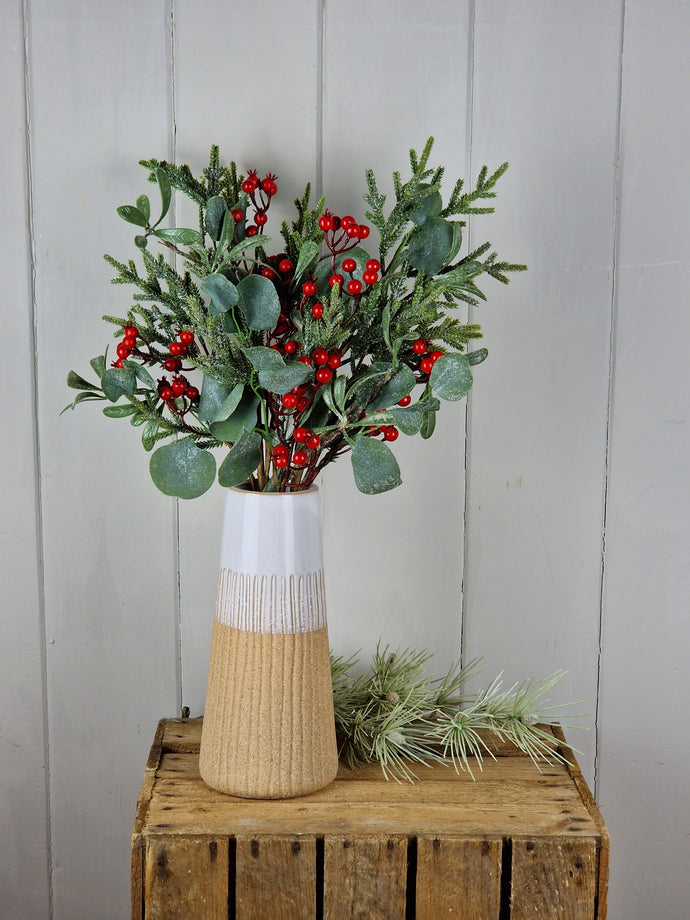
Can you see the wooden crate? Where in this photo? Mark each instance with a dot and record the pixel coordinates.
(515, 843)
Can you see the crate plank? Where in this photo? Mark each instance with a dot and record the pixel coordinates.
(186, 877)
(275, 876)
(458, 877)
(364, 877)
(553, 879)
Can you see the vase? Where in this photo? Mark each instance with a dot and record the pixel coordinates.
(268, 730)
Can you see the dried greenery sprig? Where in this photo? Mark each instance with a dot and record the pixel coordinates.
(397, 716)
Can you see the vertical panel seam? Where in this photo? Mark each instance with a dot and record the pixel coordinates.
(469, 122)
(609, 400)
(38, 479)
(320, 93)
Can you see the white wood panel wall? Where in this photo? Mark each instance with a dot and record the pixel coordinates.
(555, 534)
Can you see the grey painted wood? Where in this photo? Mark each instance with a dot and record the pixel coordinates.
(24, 858)
(393, 76)
(644, 749)
(100, 100)
(546, 98)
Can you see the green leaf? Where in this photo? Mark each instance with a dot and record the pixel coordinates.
(259, 301)
(82, 397)
(148, 435)
(165, 190)
(222, 293)
(411, 420)
(144, 206)
(374, 466)
(98, 365)
(400, 384)
(213, 395)
(430, 245)
(119, 411)
(242, 460)
(215, 212)
(428, 425)
(117, 382)
(451, 376)
(132, 215)
(456, 242)
(477, 356)
(430, 206)
(142, 374)
(182, 469)
(140, 242)
(308, 256)
(244, 417)
(181, 235)
(75, 382)
(274, 374)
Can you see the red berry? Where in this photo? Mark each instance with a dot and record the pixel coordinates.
(317, 311)
(309, 289)
(129, 341)
(131, 330)
(352, 231)
(320, 356)
(250, 184)
(405, 401)
(122, 350)
(237, 215)
(280, 450)
(300, 435)
(419, 347)
(323, 375)
(302, 403)
(313, 442)
(426, 366)
(390, 433)
(354, 286)
(119, 363)
(290, 347)
(179, 385)
(370, 277)
(435, 355)
(268, 185)
(299, 391)
(251, 231)
(260, 218)
(285, 266)
(373, 265)
(172, 364)
(349, 265)
(191, 393)
(335, 279)
(289, 400)
(281, 461)
(166, 394)
(268, 272)
(362, 231)
(304, 359)
(347, 221)
(299, 458)
(334, 360)
(326, 222)
(186, 337)
(177, 348)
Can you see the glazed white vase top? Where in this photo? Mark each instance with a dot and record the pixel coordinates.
(269, 730)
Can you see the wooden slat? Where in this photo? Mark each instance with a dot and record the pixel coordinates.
(554, 879)
(275, 876)
(364, 877)
(458, 877)
(186, 877)
(138, 840)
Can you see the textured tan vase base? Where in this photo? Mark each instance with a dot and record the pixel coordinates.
(268, 730)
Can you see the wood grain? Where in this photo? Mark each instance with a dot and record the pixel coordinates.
(553, 879)
(186, 877)
(458, 877)
(276, 877)
(364, 877)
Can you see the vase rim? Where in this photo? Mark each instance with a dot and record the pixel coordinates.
(244, 491)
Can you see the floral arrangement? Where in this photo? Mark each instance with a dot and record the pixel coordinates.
(289, 359)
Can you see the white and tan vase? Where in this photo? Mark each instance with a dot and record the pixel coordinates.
(268, 729)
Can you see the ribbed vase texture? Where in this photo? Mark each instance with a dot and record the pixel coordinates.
(268, 729)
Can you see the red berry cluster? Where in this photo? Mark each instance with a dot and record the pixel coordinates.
(180, 388)
(306, 444)
(428, 358)
(342, 233)
(260, 192)
(127, 345)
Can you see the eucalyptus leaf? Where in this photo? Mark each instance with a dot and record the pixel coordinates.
(374, 466)
(430, 206)
(144, 205)
(222, 293)
(411, 419)
(430, 245)
(230, 404)
(451, 376)
(119, 411)
(215, 212)
(98, 365)
(242, 460)
(243, 418)
(165, 190)
(117, 382)
(132, 215)
(75, 382)
(243, 246)
(275, 375)
(148, 435)
(181, 235)
(213, 395)
(456, 242)
(400, 384)
(142, 374)
(182, 469)
(259, 301)
(477, 356)
(82, 397)
(428, 425)
(308, 256)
